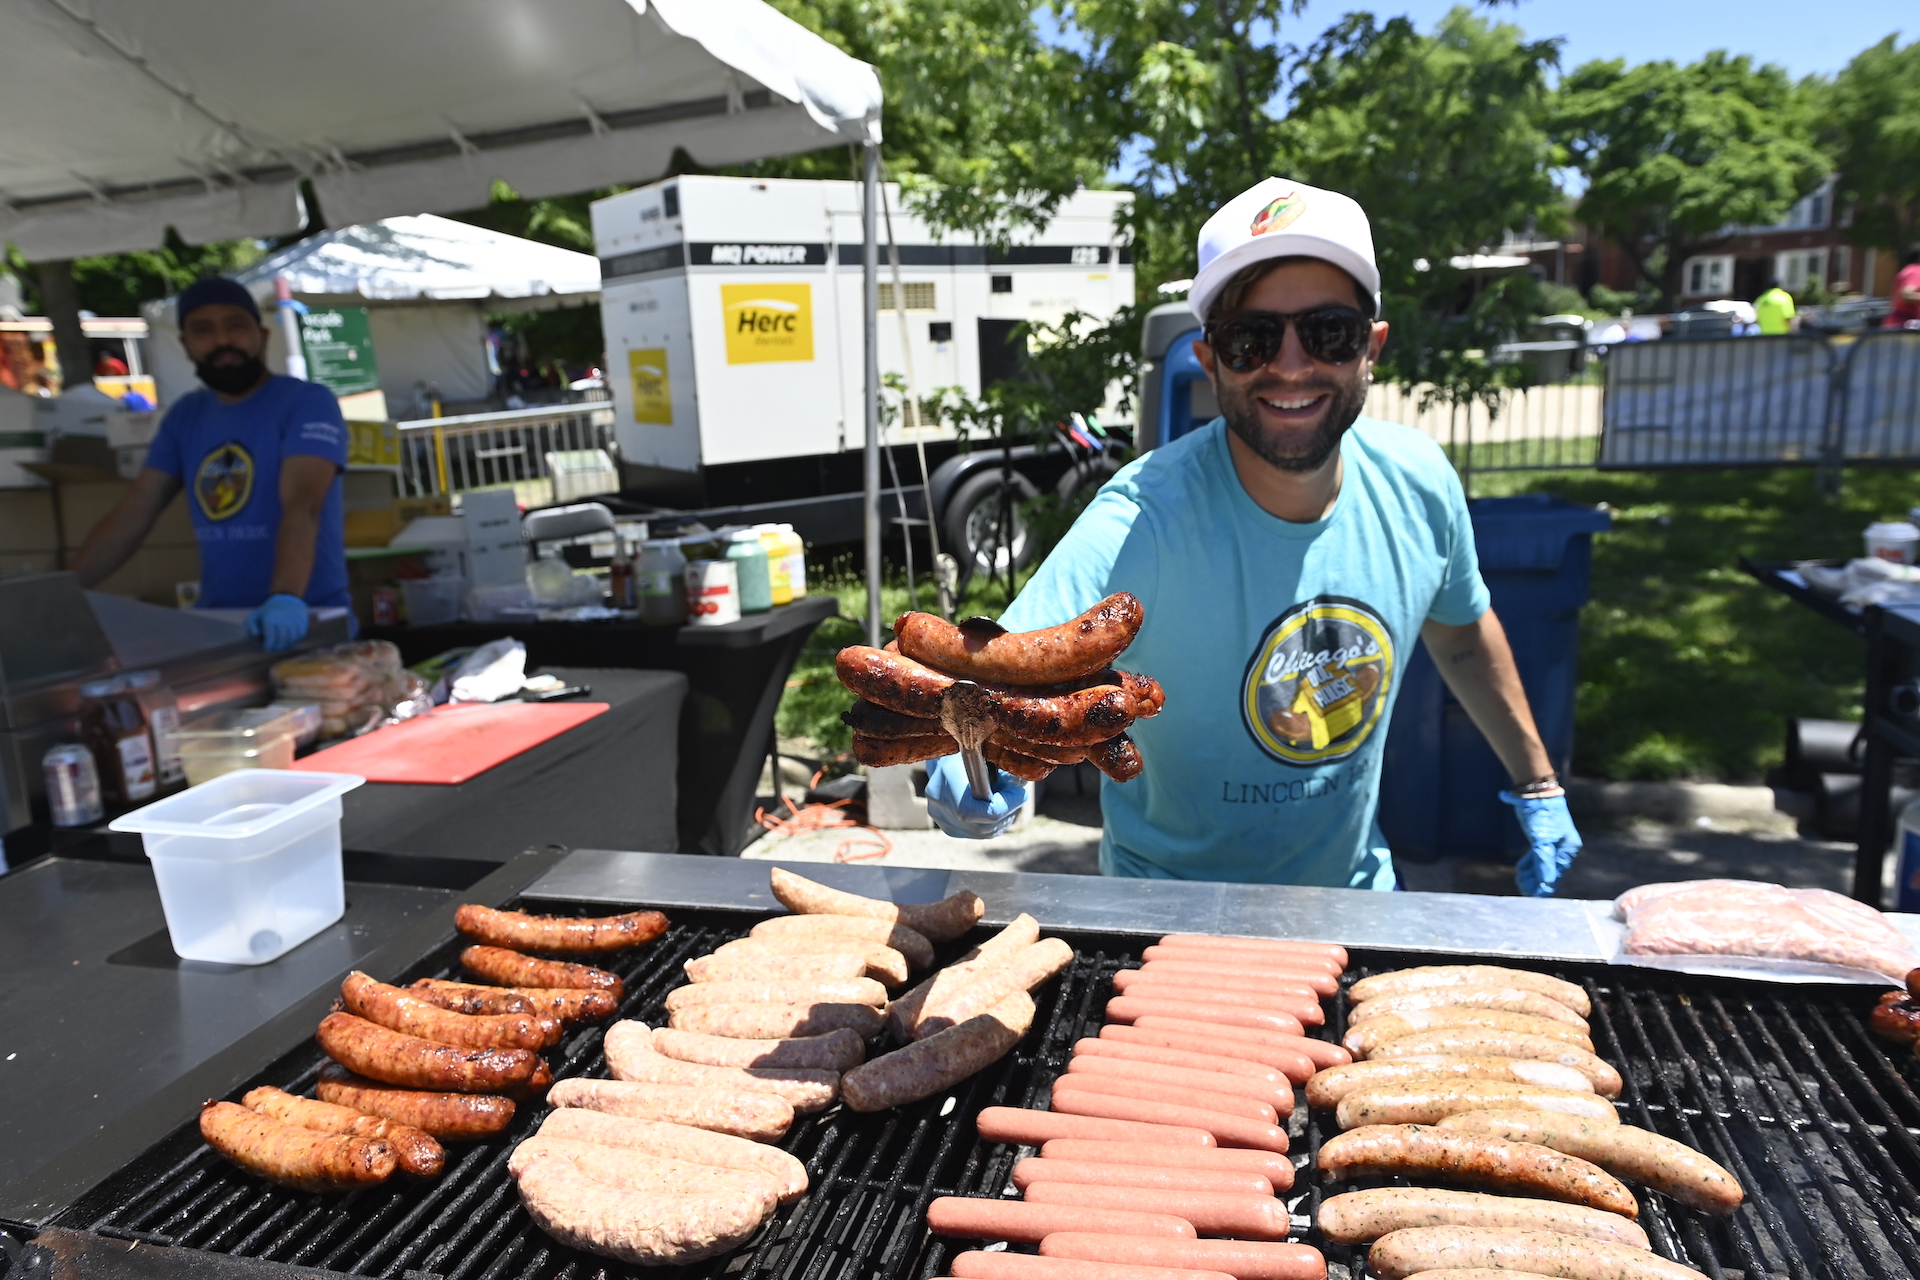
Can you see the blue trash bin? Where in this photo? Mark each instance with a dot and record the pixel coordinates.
(1440, 779)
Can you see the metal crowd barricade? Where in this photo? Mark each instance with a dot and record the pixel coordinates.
(1880, 390)
(1719, 402)
(498, 450)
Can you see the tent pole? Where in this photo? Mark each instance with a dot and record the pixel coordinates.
(870, 314)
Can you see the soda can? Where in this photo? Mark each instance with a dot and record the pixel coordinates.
(73, 785)
(713, 592)
(386, 607)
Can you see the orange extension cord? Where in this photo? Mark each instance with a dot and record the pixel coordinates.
(823, 817)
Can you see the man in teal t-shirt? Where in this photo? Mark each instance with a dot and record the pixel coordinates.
(1289, 556)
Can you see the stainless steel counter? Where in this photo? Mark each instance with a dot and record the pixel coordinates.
(1550, 929)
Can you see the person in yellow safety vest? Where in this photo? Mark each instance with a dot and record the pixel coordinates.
(1773, 310)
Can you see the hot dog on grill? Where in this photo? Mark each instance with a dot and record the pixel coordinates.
(1485, 1041)
(1031, 1128)
(1228, 1130)
(397, 1009)
(979, 1264)
(569, 1004)
(1132, 1008)
(1669, 1167)
(1427, 977)
(1256, 1216)
(415, 1149)
(1231, 1104)
(1431, 1101)
(1365, 1037)
(1328, 1087)
(1547, 1253)
(1039, 1169)
(940, 1061)
(450, 1117)
(1050, 655)
(1318, 973)
(1276, 1094)
(1149, 986)
(1241, 1259)
(937, 921)
(1275, 1167)
(744, 1113)
(839, 928)
(1412, 1150)
(1360, 1216)
(371, 1050)
(631, 1057)
(1507, 999)
(1024, 1223)
(681, 1142)
(777, 1021)
(1291, 1062)
(568, 935)
(294, 1156)
(1096, 1047)
(511, 969)
(834, 1051)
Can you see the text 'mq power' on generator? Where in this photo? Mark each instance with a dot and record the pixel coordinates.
(732, 314)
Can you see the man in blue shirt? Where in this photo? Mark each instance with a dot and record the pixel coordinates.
(1289, 556)
(261, 456)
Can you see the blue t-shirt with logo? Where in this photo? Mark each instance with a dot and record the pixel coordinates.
(228, 457)
(1280, 647)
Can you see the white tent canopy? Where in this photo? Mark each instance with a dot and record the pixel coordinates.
(204, 115)
(427, 257)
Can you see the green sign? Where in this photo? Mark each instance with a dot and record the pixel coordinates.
(339, 350)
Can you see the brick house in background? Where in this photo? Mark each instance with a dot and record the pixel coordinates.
(1808, 245)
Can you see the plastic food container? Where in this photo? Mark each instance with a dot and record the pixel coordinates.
(306, 719)
(248, 865)
(432, 601)
(253, 738)
(1892, 540)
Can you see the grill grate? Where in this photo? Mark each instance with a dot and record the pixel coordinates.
(1784, 1086)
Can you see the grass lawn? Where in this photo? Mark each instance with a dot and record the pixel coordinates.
(1688, 668)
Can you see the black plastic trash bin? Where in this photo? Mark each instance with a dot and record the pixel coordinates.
(1439, 785)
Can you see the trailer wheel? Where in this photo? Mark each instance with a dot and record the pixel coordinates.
(983, 532)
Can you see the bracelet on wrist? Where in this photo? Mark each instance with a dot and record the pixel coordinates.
(1539, 788)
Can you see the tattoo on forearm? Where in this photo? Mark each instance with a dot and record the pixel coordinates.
(1463, 655)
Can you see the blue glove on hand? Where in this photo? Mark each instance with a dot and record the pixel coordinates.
(280, 622)
(951, 805)
(1549, 829)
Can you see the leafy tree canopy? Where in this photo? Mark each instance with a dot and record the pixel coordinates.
(1871, 119)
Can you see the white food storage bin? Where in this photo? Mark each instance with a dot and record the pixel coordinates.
(248, 864)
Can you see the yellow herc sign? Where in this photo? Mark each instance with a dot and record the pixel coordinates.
(767, 322)
(652, 395)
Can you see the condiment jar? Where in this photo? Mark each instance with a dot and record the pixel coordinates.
(750, 558)
(163, 718)
(778, 577)
(663, 590)
(796, 560)
(115, 730)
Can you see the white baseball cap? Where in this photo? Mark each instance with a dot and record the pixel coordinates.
(1281, 218)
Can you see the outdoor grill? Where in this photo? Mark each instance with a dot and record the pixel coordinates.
(1781, 1084)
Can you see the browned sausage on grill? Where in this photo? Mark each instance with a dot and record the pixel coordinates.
(1415, 1150)
(511, 969)
(1117, 757)
(569, 1004)
(1050, 655)
(570, 935)
(294, 1156)
(878, 753)
(393, 1058)
(875, 721)
(399, 1010)
(1076, 717)
(416, 1149)
(450, 1117)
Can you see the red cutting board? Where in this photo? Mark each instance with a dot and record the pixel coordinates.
(452, 744)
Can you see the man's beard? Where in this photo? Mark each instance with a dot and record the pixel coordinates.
(1345, 400)
(230, 378)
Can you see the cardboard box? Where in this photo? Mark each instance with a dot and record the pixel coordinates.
(153, 574)
(82, 506)
(26, 521)
(496, 551)
(372, 444)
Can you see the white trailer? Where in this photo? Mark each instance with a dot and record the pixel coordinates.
(732, 314)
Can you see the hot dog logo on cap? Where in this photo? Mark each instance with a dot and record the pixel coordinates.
(1316, 683)
(1279, 214)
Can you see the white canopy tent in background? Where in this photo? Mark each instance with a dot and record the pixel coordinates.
(428, 282)
(128, 117)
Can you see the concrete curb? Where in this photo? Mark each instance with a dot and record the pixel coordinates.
(1679, 802)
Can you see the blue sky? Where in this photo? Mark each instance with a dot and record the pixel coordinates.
(1804, 38)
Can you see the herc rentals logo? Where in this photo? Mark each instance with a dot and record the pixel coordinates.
(1318, 681)
(1279, 214)
(652, 393)
(767, 322)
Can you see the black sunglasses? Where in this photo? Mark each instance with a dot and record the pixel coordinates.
(1331, 335)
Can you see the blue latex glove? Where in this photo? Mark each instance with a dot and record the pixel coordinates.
(951, 805)
(280, 622)
(1549, 829)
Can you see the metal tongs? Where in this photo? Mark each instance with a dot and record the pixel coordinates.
(966, 712)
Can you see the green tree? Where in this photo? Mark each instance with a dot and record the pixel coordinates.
(1675, 155)
(116, 284)
(1872, 116)
(1440, 138)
